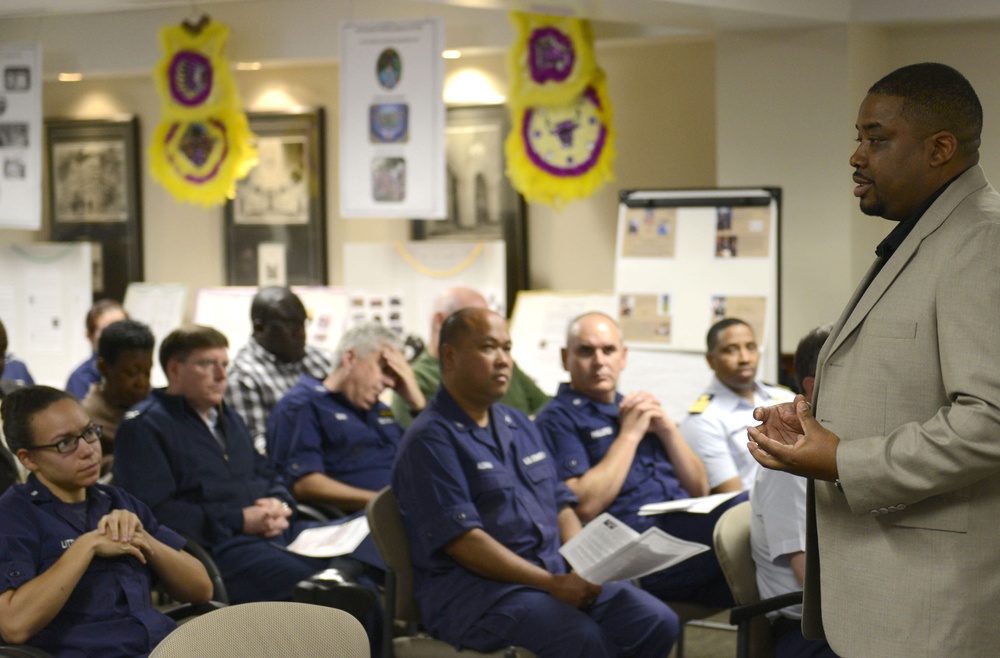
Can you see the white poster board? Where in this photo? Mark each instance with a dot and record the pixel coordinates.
(407, 276)
(21, 136)
(688, 258)
(45, 293)
(161, 307)
(392, 157)
(538, 330)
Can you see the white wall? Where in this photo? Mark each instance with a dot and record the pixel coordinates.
(784, 119)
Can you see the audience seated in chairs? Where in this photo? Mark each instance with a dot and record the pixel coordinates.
(76, 557)
(485, 516)
(189, 457)
(124, 360)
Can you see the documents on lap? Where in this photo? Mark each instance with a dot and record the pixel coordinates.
(608, 549)
(331, 540)
(702, 505)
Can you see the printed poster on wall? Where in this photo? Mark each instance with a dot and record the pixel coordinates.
(392, 159)
(21, 136)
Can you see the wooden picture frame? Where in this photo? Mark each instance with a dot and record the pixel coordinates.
(95, 196)
(482, 204)
(276, 225)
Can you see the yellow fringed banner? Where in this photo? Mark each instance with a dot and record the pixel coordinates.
(561, 145)
(203, 143)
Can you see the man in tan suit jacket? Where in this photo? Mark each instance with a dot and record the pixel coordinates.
(903, 557)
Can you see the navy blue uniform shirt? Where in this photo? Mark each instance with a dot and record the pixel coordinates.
(579, 431)
(166, 456)
(314, 430)
(110, 613)
(452, 476)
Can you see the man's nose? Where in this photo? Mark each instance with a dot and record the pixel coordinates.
(857, 158)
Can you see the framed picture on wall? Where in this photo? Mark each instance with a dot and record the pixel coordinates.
(276, 225)
(94, 196)
(482, 204)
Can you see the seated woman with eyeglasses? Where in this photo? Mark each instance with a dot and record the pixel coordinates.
(77, 558)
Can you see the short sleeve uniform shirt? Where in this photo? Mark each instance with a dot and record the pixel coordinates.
(110, 612)
(716, 429)
(452, 476)
(579, 431)
(314, 430)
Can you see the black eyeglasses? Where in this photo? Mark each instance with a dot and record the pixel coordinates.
(69, 444)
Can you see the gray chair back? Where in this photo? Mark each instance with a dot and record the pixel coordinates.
(265, 630)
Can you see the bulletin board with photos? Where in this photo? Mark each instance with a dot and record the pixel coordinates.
(686, 259)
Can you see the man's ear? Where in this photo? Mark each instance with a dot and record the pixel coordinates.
(173, 366)
(348, 358)
(711, 360)
(447, 357)
(103, 367)
(564, 353)
(942, 145)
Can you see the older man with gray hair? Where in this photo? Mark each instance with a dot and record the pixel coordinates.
(333, 440)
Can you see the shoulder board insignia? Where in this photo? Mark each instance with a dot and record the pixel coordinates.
(701, 404)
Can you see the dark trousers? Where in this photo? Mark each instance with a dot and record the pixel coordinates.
(624, 621)
(698, 579)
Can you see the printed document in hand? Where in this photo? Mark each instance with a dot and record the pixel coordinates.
(702, 505)
(607, 549)
(331, 540)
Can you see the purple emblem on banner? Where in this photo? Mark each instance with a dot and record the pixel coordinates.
(550, 55)
(190, 78)
(583, 148)
(196, 144)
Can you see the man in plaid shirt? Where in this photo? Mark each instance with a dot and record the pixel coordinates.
(271, 362)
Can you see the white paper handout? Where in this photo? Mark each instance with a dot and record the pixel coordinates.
(331, 540)
(608, 549)
(702, 505)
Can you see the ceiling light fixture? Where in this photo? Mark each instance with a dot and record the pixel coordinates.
(70, 77)
(248, 66)
(451, 54)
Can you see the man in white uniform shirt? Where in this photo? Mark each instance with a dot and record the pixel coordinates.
(716, 424)
(778, 528)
